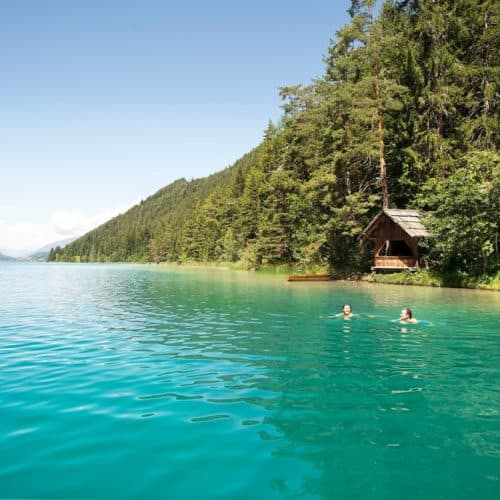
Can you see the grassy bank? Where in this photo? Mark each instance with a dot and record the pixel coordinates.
(429, 278)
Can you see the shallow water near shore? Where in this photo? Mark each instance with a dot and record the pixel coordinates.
(145, 381)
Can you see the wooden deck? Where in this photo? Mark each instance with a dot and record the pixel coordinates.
(395, 263)
(386, 268)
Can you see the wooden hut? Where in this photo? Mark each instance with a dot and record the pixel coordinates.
(396, 234)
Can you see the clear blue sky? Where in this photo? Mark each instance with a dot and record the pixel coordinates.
(104, 102)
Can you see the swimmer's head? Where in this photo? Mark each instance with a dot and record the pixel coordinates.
(346, 309)
(406, 314)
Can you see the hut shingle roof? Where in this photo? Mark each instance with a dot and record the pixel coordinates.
(409, 220)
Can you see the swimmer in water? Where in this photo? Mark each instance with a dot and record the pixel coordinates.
(406, 316)
(346, 312)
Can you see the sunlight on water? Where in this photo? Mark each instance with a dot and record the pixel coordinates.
(139, 381)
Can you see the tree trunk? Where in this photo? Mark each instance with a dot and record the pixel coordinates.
(383, 171)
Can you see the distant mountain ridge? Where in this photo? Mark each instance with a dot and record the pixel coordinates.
(4, 257)
(43, 252)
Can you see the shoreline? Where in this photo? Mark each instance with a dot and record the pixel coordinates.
(404, 278)
(436, 280)
(418, 278)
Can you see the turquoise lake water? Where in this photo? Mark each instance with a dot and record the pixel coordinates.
(145, 382)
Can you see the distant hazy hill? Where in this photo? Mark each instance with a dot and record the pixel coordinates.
(43, 252)
(4, 257)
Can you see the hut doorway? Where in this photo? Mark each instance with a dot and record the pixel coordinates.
(396, 248)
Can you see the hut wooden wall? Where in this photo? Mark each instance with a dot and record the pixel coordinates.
(388, 230)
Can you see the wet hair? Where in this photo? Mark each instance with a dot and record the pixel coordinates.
(348, 305)
(408, 311)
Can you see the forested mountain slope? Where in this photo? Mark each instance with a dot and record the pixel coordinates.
(406, 115)
(134, 235)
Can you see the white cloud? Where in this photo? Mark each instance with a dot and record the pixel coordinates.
(76, 223)
(21, 238)
(18, 238)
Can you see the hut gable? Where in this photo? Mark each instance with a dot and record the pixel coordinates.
(410, 221)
